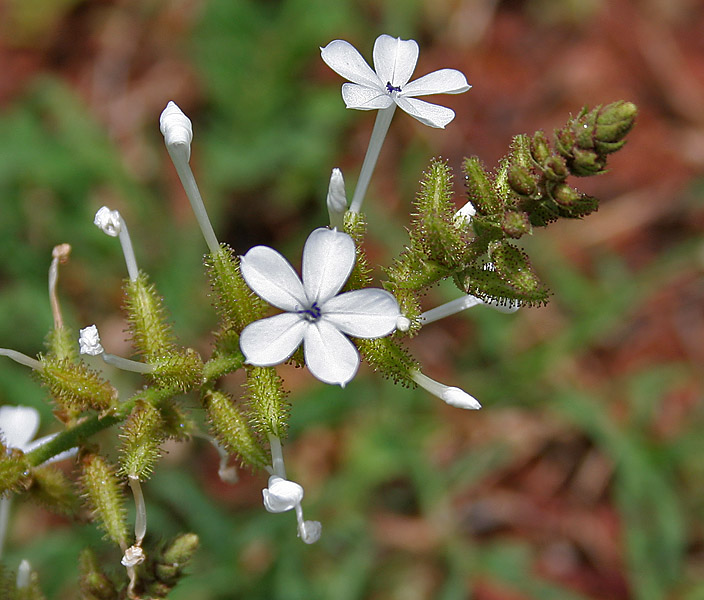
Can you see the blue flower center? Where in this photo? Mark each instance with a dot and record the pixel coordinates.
(392, 88)
(311, 314)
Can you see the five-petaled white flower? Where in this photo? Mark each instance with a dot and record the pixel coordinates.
(19, 424)
(394, 62)
(315, 314)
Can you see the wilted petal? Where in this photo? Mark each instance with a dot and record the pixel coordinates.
(18, 425)
(273, 278)
(444, 81)
(343, 58)
(329, 355)
(395, 59)
(271, 341)
(362, 97)
(328, 258)
(368, 313)
(427, 113)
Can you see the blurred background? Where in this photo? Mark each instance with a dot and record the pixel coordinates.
(581, 478)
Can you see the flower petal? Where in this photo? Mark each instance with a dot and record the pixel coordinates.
(368, 313)
(273, 278)
(444, 81)
(329, 355)
(328, 258)
(18, 425)
(343, 58)
(395, 59)
(362, 97)
(429, 114)
(271, 341)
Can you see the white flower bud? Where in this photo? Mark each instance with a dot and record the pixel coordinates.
(403, 323)
(89, 341)
(281, 495)
(24, 573)
(337, 198)
(310, 531)
(109, 221)
(177, 130)
(464, 215)
(454, 396)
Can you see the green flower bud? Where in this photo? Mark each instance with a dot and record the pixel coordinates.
(179, 370)
(141, 438)
(513, 266)
(565, 196)
(389, 358)
(540, 147)
(103, 492)
(267, 398)
(587, 162)
(515, 224)
(480, 189)
(14, 471)
(53, 489)
(175, 557)
(555, 168)
(614, 121)
(232, 429)
(522, 180)
(234, 301)
(151, 333)
(74, 387)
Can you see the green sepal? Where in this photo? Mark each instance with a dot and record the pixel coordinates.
(267, 399)
(387, 356)
(61, 344)
(74, 387)
(487, 284)
(141, 439)
(51, 488)
(179, 370)
(15, 473)
(94, 583)
(434, 229)
(513, 266)
(174, 558)
(515, 224)
(151, 333)
(236, 304)
(356, 227)
(480, 189)
(232, 429)
(103, 491)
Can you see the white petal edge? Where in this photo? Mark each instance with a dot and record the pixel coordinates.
(368, 313)
(429, 114)
(18, 425)
(395, 59)
(444, 81)
(343, 58)
(271, 341)
(328, 258)
(329, 355)
(361, 97)
(273, 278)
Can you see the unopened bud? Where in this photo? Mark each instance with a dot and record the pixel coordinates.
(515, 224)
(177, 130)
(521, 180)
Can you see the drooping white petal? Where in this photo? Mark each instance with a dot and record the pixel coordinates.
(18, 425)
(395, 59)
(329, 355)
(281, 494)
(271, 341)
(343, 58)
(368, 313)
(427, 113)
(273, 278)
(444, 81)
(328, 258)
(362, 97)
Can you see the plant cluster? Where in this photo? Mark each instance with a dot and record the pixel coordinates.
(332, 315)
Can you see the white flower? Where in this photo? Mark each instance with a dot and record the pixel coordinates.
(394, 62)
(109, 221)
(281, 495)
(177, 130)
(89, 341)
(19, 424)
(316, 314)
